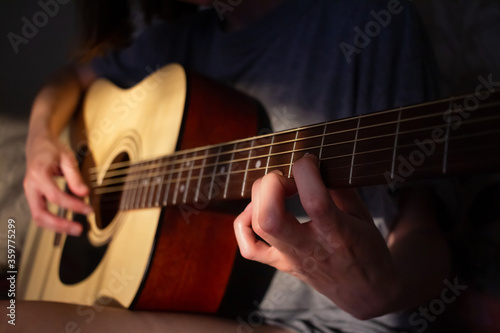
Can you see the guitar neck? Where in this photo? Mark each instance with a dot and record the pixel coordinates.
(448, 137)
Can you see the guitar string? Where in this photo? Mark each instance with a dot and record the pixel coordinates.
(378, 175)
(146, 164)
(175, 171)
(117, 187)
(138, 173)
(111, 176)
(343, 180)
(334, 122)
(286, 165)
(93, 171)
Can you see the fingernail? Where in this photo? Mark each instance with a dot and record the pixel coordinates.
(279, 172)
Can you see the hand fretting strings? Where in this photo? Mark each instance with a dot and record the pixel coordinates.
(142, 175)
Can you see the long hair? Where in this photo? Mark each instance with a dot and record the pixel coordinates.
(107, 24)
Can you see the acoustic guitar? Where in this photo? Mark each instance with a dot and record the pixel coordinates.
(158, 158)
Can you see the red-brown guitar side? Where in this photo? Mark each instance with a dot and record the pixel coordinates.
(193, 258)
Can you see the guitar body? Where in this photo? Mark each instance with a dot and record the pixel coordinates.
(174, 258)
(137, 150)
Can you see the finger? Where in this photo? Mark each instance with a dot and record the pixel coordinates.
(250, 247)
(314, 196)
(55, 195)
(44, 218)
(286, 233)
(69, 168)
(349, 201)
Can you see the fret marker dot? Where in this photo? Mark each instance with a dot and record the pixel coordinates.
(188, 163)
(182, 188)
(223, 169)
(258, 164)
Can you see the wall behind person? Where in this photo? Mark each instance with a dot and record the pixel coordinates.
(465, 37)
(36, 38)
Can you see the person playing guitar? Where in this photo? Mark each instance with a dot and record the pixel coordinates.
(306, 62)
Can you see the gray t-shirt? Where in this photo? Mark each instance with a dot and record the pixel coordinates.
(306, 62)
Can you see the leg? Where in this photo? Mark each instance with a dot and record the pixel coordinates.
(35, 316)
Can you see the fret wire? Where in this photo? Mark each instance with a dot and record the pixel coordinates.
(395, 145)
(169, 183)
(134, 193)
(246, 170)
(213, 173)
(229, 172)
(159, 183)
(337, 121)
(148, 190)
(269, 155)
(200, 177)
(321, 146)
(293, 153)
(125, 195)
(141, 187)
(176, 190)
(137, 192)
(118, 188)
(112, 173)
(354, 149)
(191, 163)
(350, 141)
(377, 176)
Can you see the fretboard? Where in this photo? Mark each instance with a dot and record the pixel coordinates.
(448, 137)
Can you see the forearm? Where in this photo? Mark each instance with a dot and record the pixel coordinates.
(55, 103)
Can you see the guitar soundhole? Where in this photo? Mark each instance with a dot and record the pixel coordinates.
(79, 256)
(107, 205)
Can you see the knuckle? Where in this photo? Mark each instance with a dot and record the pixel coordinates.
(247, 253)
(316, 206)
(52, 195)
(270, 225)
(303, 247)
(37, 217)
